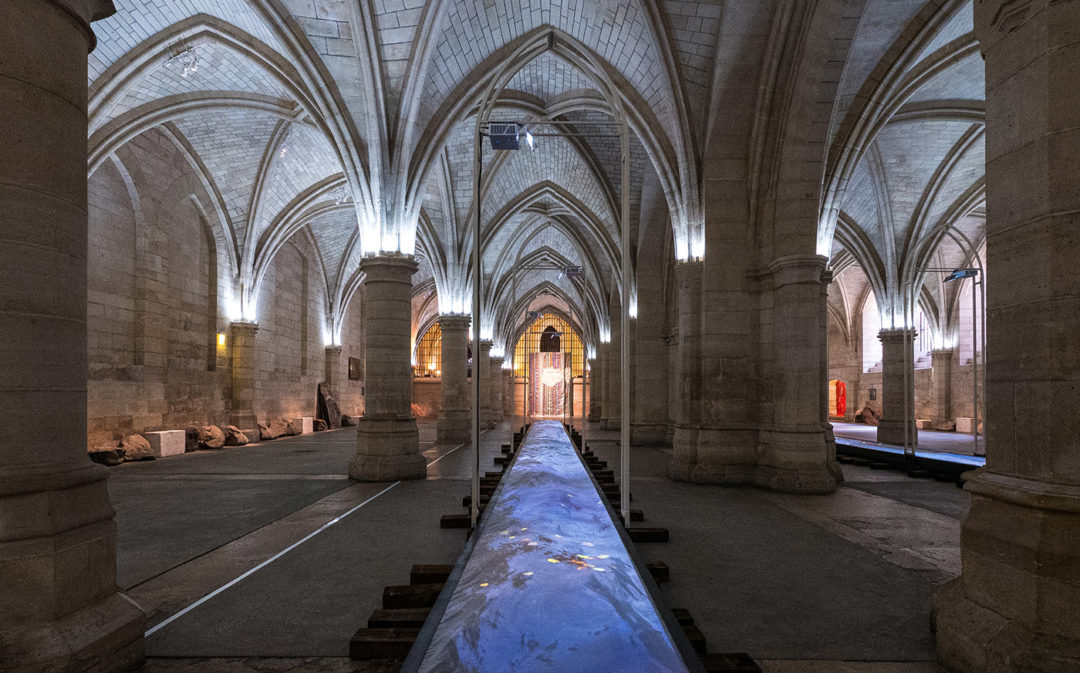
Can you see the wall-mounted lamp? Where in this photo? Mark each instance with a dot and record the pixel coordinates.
(221, 339)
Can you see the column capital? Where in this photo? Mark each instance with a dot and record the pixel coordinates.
(454, 321)
(486, 343)
(896, 335)
(800, 269)
(389, 268)
(498, 360)
(687, 271)
(243, 327)
(940, 353)
(84, 12)
(333, 350)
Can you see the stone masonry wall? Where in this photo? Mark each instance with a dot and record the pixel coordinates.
(152, 302)
(156, 298)
(290, 348)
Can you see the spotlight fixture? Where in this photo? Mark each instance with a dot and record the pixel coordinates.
(504, 135)
(959, 274)
(341, 195)
(508, 136)
(188, 59)
(285, 139)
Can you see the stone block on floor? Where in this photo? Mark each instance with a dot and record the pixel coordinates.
(305, 425)
(165, 443)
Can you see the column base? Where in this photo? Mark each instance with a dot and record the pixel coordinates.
(1014, 608)
(684, 452)
(724, 456)
(789, 462)
(797, 461)
(453, 426)
(594, 416)
(648, 434)
(106, 637)
(245, 420)
(610, 424)
(387, 450)
(892, 432)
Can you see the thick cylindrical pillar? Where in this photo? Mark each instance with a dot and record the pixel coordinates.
(482, 368)
(796, 452)
(453, 424)
(897, 358)
(1015, 606)
(687, 423)
(496, 389)
(332, 374)
(387, 442)
(59, 607)
(596, 387)
(244, 373)
(941, 371)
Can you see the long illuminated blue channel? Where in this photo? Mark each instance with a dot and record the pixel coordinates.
(550, 585)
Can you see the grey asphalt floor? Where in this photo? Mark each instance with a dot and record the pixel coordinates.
(846, 577)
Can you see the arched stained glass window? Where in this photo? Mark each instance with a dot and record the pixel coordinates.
(427, 361)
(568, 339)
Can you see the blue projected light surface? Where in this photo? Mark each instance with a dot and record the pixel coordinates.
(549, 585)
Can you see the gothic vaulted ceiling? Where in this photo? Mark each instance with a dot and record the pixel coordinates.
(353, 124)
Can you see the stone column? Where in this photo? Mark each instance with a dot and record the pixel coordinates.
(482, 368)
(897, 357)
(508, 393)
(59, 607)
(244, 373)
(687, 423)
(387, 442)
(613, 372)
(496, 378)
(796, 453)
(594, 389)
(454, 414)
(1015, 606)
(332, 377)
(941, 370)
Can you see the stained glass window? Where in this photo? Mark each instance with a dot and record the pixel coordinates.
(428, 359)
(529, 342)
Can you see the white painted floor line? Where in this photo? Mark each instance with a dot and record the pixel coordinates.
(451, 451)
(284, 551)
(265, 563)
